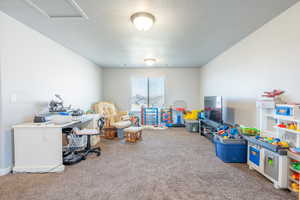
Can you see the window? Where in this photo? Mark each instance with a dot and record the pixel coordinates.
(147, 91)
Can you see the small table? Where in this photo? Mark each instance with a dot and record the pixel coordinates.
(133, 134)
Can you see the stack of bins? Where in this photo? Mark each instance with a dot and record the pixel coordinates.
(231, 150)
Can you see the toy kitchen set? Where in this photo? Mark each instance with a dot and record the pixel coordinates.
(276, 153)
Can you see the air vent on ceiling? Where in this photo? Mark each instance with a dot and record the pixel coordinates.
(56, 9)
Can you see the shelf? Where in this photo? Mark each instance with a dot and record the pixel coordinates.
(287, 130)
(292, 190)
(283, 118)
(294, 155)
(269, 132)
(294, 180)
(270, 115)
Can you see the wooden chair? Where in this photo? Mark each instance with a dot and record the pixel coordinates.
(113, 118)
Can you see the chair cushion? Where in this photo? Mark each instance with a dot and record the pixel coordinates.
(121, 124)
(87, 132)
(133, 129)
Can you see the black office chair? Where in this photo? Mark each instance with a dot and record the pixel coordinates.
(72, 153)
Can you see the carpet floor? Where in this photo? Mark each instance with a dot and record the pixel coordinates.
(166, 165)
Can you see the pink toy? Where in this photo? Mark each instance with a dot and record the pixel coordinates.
(273, 93)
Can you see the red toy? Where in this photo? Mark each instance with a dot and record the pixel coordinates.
(281, 125)
(273, 93)
(221, 132)
(296, 176)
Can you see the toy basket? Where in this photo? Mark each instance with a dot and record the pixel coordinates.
(75, 142)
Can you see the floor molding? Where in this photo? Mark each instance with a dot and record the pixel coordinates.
(39, 169)
(4, 171)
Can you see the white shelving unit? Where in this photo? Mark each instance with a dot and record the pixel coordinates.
(291, 170)
(268, 122)
(271, 164)
(269, 118)
(265, 119)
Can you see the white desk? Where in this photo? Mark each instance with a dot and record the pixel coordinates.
(38, 147)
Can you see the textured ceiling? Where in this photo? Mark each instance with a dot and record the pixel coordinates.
(187, 33)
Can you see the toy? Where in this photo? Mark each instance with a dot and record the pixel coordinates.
(282, 125)
(249, 131)
(273, 141)
(295, 187)
(296, 176)
(273, 93)
(166, 117)
(277, 140)
(149, 116)
(229, 133)
(192, 115)
(221, 132)
(57, 104)
(234, 131)
(296, 166)
(201, 115)
(292, 126)
(179, 108)
(135, 121)
(283, 144)
(178, 117)
(295, 150)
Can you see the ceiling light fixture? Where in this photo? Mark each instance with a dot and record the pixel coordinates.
(150, 61)
(143, 21)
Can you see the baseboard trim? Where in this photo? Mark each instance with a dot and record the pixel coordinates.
(4, 171)
(39, 169)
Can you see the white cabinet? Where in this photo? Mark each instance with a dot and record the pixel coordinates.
(38, 149)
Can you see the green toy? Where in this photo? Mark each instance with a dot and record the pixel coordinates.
(296, 166)
(249, 131)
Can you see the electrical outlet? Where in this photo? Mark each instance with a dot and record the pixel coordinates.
(13, 98)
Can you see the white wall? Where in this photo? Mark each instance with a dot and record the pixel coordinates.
(180, 84)
(33, 69)
(1, 107)
(267, 59)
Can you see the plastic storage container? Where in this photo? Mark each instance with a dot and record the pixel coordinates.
(231, 152)
(192, 126)
(120, 133)
(254, 155)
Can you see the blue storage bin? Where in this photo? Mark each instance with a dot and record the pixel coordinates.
(254, 156)
(231, 153)
(284, 110)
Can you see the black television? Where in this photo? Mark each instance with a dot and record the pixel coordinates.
(213, 108)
